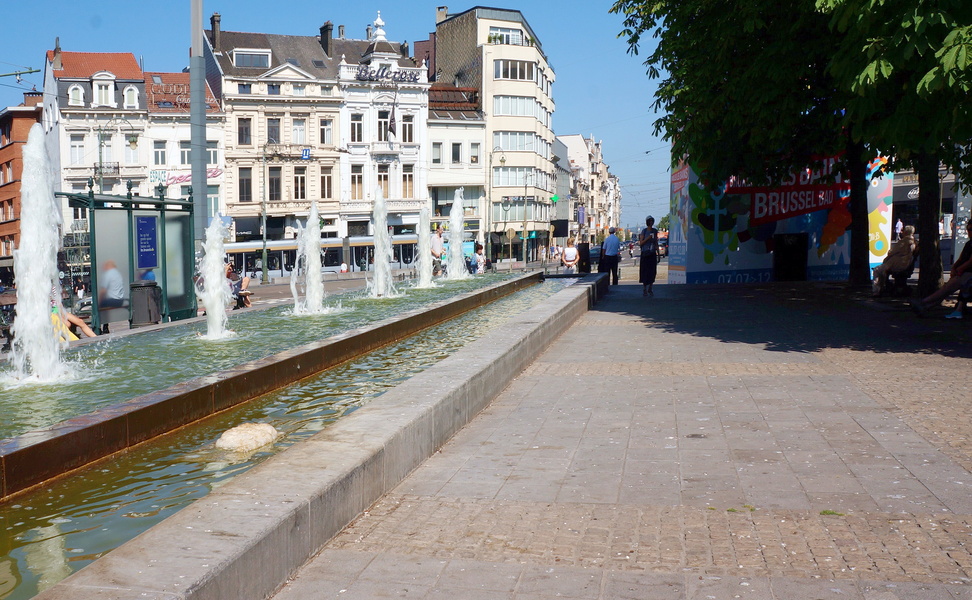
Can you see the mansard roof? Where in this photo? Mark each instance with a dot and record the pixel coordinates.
(304, 52)
(82, 65)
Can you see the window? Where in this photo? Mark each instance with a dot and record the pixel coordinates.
(357, 128)
(131, 155)
(246, 184)
(327, 90)
(408, 129)
(106, 147)
(251, 59)
(474, 154)
(436, 153)
(77, 149)
(383, 180)
(511, 176)
(326, 126)
(184, 152)
(516, 141)
(159, 152)
(327, 184)
(212, 200)
(522, 70)
(273, 184)
(518, 106)
(300, 183)
(456, 153)
(103, 94)
(408, 183)
(75, 96)
(357, 182)
(243, 132)
(273, 130)
(131, 97)
(300, 132)
(273, 89)
(383, 119)
(299, 90)
(505, 35)
(244, 88)
(212, 153)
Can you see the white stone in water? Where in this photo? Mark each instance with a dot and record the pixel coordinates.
(247, 437)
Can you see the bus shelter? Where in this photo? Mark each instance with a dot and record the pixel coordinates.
(141, 256)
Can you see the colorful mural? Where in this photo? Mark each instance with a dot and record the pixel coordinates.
(729, 233)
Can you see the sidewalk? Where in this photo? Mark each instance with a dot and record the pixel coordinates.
(790, 442)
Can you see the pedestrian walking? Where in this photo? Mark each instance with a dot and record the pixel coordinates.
(648, 271)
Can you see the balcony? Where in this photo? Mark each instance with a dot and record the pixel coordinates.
(106, 169)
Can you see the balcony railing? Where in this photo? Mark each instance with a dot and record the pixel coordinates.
(107, 169)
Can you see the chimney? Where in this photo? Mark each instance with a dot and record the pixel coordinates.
(214, 23)
(341, 31)
(368, 32)
(441, 14)
(405, 49)
(56, 63)
(33, 98)
(326, 30)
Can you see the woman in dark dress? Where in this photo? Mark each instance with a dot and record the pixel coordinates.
(648, 242)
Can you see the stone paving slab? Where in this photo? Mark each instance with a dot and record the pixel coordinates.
(781, 442)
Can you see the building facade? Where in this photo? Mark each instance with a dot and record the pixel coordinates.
(321, 119)
(496, 52)
(15, 124)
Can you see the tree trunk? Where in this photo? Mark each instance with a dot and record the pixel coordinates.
(929, 208)
(860, 252)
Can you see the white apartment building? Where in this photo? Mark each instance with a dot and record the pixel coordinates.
(109, 125)
(457, 143)
(319, 118)
(497, 52)
(596, 191)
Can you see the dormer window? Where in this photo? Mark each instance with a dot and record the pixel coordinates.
(75, 95)
(131, 97)
(251, 58)
(103, 89)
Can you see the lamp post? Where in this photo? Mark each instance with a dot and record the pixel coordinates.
(489, 199)
(526, 183)
(264, 278)
(132, 143)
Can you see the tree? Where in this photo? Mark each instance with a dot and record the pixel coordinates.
(907, 66)
(745, 91)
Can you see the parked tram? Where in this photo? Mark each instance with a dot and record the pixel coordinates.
(357, 253)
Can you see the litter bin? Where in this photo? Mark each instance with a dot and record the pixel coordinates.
(146, 303)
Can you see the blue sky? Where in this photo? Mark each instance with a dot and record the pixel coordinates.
(600, 90)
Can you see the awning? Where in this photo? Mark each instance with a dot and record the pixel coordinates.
(903, 194)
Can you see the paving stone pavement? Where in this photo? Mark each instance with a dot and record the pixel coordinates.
(788, 442)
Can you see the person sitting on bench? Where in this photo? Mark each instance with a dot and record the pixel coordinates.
(239, 286)
(899, 258)
(960, 274)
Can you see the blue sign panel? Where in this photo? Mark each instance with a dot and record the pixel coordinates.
(305, 154)
(146, 242)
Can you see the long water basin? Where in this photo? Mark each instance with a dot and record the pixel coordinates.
(118, 369)
(47, 534)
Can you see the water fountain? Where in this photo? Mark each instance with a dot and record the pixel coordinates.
(309, 258)
(457, 262)
(36, 352)
(424, 250)
(213, 287)
(381, 285)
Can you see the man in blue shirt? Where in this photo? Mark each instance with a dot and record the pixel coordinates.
(611, 256)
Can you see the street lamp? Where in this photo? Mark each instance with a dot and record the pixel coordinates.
(526, 182)
(489, 199)
(265, 279)
(132, 143)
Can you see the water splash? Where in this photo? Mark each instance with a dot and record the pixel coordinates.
(212, 286)
(381, 285)
(457, 262)
(36, 353)
(309, 254)
(424, 250)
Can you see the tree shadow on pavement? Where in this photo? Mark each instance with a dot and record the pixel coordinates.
(793, 317)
